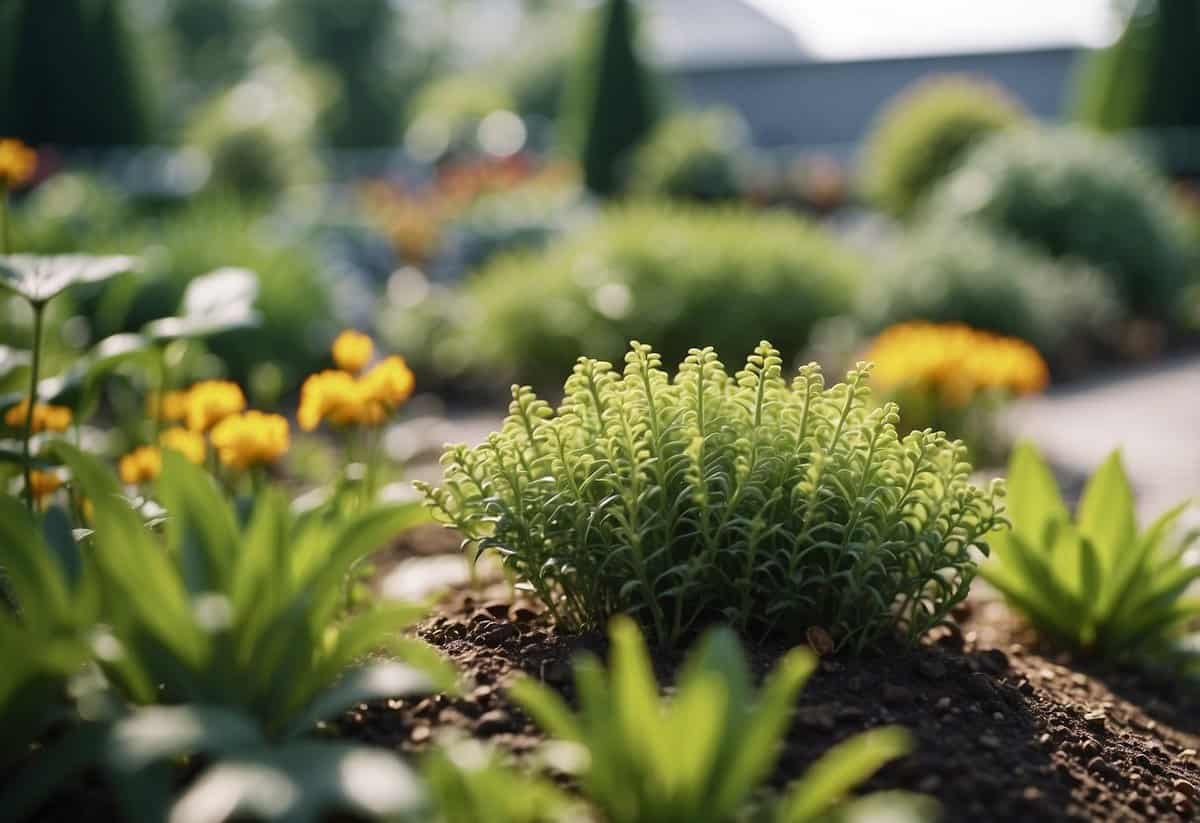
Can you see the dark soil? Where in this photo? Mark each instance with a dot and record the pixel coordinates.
(1004, 731)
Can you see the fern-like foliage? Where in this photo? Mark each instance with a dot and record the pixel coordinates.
(770, 505)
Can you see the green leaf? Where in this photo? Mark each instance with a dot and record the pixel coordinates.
(1033, 498)
(1107, 515)
(843, 767)
(216, 302)
(40, 278)
(547, 708)
(201, 528)
(156, 733)
(56, 528)
(375, 682)
(302, 782)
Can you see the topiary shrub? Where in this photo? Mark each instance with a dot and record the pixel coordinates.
(668, 274)
(777, 506)
(691, 156)
(966, 274)
(1070, 193)
(925, 132)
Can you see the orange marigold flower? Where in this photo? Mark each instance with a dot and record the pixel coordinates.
(188, 443)
(18, 162)
(251, 439)
(43, 484)
(352, 350)
(956, 361)
(389, 383)
(141, 465)
(211, 401)
(45, 417)
(171, 406)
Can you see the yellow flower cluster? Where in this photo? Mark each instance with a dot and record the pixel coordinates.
(18, 162)
(211, 401)
(141, 465)
(171, 406)
(352, 350)
(188, 443)
(43, 484)
(251, 439)
(955, 360)
(45, 417)
(345, 400)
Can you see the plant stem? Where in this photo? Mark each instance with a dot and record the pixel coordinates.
(38, 310)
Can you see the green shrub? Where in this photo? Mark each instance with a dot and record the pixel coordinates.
(966, 274)
(447, 112)
(635, 770)
(691, 156)
(774, 506)
(218, 637)
(666, 275)
(1073, 194)
(1093, 583)
(611, 104)
(925, 133)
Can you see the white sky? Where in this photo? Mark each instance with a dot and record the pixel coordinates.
(850, 29)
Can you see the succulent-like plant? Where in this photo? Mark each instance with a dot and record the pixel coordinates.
(771, 505)
(1094, 583)
(636, 771)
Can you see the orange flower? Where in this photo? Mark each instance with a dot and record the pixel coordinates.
(211, 401)
(43, 484)
(390, 383)
(18, 163)
(45, 417)
(141, 465)
(352, 350)
(188, 443)
(251, 439)
(171, 406)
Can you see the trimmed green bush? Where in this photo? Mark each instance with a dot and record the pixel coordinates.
(754, 498)
(925, 132)
(612, 105)
(1070, 193)
(966, 274)
(669, 275)
(691, 156)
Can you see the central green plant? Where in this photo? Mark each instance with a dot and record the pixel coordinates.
(774, 506)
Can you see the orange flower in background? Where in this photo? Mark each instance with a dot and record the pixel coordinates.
(352, 350)
(955, 360)
(211, 401)
(390, 383)
(188, 443)
(141, 465)
(330, 395)
(251, 439)
(45, 417)
(18, 163)
(43, 484)
(171, 406)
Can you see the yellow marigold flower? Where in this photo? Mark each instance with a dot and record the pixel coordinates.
(251, 439)
(43, 484)
(141, 465)
(171, 406)
(389, 383)
(352, 350)
(188, 443)
(45, 417)
(956, 361)
(211, 401)
(18, 162)
(330, 395)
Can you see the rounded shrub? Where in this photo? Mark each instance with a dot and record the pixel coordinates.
(752, 497)
(671, 275)
(1075, 194)
(691, 156)
(925, 132)
(966, 274)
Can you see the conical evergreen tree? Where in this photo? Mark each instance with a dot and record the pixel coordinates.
(72, 75)
(613, 104)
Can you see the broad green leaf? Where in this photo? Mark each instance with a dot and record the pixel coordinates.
(303, 782)
(40, 278)
(155, 733)
(1107, 515)
(547, 708)
(635, 691)
(841, 769)
(202, 531)
(56, 528)
(374, 682)
(216, 302)
(1033, 498)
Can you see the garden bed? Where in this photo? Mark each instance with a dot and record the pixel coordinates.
(1004, 730)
